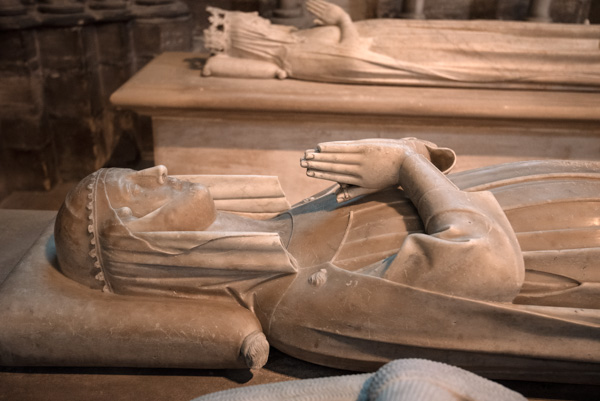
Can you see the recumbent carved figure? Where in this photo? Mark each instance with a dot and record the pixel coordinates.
(396, 259)
(506, 54)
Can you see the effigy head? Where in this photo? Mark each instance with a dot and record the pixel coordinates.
(245, 35)
(112, 204)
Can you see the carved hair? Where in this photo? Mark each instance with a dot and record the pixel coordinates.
(76, 233)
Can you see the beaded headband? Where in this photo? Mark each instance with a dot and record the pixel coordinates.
(92, 229)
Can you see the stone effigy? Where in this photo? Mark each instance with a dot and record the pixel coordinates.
(404, 379)
(504, 54)
(397, 260)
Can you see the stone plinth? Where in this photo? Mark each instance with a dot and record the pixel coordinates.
(243, 126)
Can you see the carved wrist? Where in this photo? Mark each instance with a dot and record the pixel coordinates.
(418, 176)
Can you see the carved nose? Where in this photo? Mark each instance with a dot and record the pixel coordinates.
(157, 172)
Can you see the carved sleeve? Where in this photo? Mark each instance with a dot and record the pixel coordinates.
(468, 249)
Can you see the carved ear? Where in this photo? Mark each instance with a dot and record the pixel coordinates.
(443, 158)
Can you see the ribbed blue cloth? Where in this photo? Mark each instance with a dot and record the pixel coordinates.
(402, 380)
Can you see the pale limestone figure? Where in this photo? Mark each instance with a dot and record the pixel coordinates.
(404, 52)
(497, 261)
(403, 379)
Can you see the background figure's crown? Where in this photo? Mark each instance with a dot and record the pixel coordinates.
(216, 37)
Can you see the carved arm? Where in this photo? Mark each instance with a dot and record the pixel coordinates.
(330, 14)
(469, 248)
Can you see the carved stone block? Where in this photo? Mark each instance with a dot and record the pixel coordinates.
(77, 144)
(114, 43)
(32, 168)
(64, 48)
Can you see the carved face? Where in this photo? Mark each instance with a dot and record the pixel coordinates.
(150, 200)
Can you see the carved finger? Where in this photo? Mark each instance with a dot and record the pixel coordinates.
(318, 8)
(338, 147)
(313, 7)
(349, 169)
(310, 154)
(316, 4)
(320, 3)
(341, 178)
(341, 158)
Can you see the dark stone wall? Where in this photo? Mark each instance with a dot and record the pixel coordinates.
(60, 60)
(594, 16)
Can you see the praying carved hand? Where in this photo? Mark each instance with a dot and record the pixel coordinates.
(326, 13)
(369, 165)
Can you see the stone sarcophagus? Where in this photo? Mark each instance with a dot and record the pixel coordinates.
(397, 259)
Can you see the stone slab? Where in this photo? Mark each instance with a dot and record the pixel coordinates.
(50, 320)
(17, 295)
(130, 384)
(171, 85)
(126, 384)
(36, 201)
(19, 229)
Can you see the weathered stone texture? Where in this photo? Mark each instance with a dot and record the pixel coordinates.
(594, 16)
(25, 145)
(76, 144)
(114, 43)
(68, 93)
(154, 36)
(570, 11)
(27, 132)
(18, 48)
(112, 76)
(62, 47)
(32, 168)
(58, 71)
(139, 129)
(18, 67)
(512, 10)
